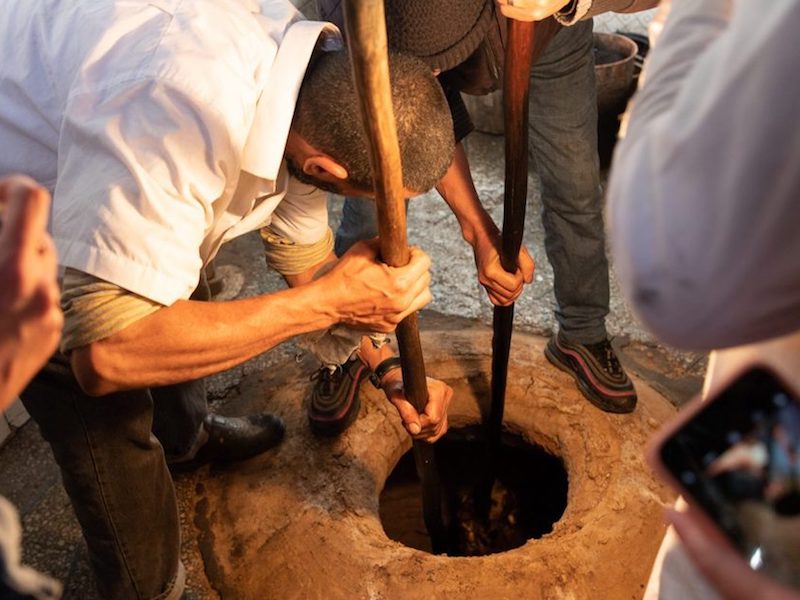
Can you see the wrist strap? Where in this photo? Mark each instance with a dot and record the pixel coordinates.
(389, 364)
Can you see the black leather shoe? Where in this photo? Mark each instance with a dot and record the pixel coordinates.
(238, 438)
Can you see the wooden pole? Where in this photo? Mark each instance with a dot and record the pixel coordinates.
(366, 38)
(518, 62)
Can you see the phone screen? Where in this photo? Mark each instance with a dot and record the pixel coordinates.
(739, 459)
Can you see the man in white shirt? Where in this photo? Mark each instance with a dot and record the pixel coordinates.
(163, 130)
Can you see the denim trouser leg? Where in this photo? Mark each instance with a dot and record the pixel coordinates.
(178, 413)
(563, 127)
(179, 410)
(359, 222)
(114, 471)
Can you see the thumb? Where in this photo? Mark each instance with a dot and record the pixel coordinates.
(24, 218)
(408, 414)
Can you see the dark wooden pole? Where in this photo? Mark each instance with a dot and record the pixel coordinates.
(518, 62)
(366, 38)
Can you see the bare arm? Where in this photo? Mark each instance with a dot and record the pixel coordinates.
(480, 232)
(190, 339)
(308, 275)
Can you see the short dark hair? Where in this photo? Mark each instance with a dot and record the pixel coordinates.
(328, 117)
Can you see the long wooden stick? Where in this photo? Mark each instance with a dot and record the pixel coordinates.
(366, 39)
(518, 62)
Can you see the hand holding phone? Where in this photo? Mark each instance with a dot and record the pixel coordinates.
(736, 457)
(723, 565)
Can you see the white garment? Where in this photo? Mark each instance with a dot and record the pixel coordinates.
(15, 576)
(704, 197)
(141, 116)
(674, 576)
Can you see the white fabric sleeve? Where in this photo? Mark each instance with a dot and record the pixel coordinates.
(139, 169)
(703, 199)
(302, 215)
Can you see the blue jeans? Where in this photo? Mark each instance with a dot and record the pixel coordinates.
(563, 143)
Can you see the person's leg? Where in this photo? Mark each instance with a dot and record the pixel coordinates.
(359, 222)
(191, 435)
(178, 415)
(334, 402)
(563, 128)
(115, 474)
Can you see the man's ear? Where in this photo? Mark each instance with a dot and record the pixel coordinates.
(324, 168)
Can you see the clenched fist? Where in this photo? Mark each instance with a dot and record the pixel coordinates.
(368, 294)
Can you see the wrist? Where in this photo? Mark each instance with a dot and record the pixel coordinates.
(478, 232)
(387, 370)
(323, 302)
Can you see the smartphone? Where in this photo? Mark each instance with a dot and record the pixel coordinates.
(736, 456)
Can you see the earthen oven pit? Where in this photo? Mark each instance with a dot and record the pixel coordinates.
(305, 520)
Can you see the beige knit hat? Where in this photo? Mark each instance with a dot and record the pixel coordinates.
(443, 33)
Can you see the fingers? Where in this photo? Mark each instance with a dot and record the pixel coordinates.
(526, 265)
(372, 295)
(408, 414)
(418, 302)
(419, 265)
(27, 254)
(496, 280)
(27, 207)
(514, 13)
(432, 433)
(412, 285)
(432, 423)
(45, 309)
(502, 287)
(434, 420)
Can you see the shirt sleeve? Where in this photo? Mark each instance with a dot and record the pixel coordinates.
(301, 216)
(95, 309)
(703, 199)
(140, 166)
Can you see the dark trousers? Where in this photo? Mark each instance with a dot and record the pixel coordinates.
(111, 451)
(114, 471)
(563, 145)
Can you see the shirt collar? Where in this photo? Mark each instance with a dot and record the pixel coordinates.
(266, 142)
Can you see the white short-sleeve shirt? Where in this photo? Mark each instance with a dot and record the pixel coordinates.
(159, 127)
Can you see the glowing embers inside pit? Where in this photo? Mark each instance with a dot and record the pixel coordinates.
(529, 495)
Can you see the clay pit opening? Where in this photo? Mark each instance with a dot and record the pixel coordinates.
(528, 498)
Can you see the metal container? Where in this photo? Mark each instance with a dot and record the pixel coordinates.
(615, 57)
